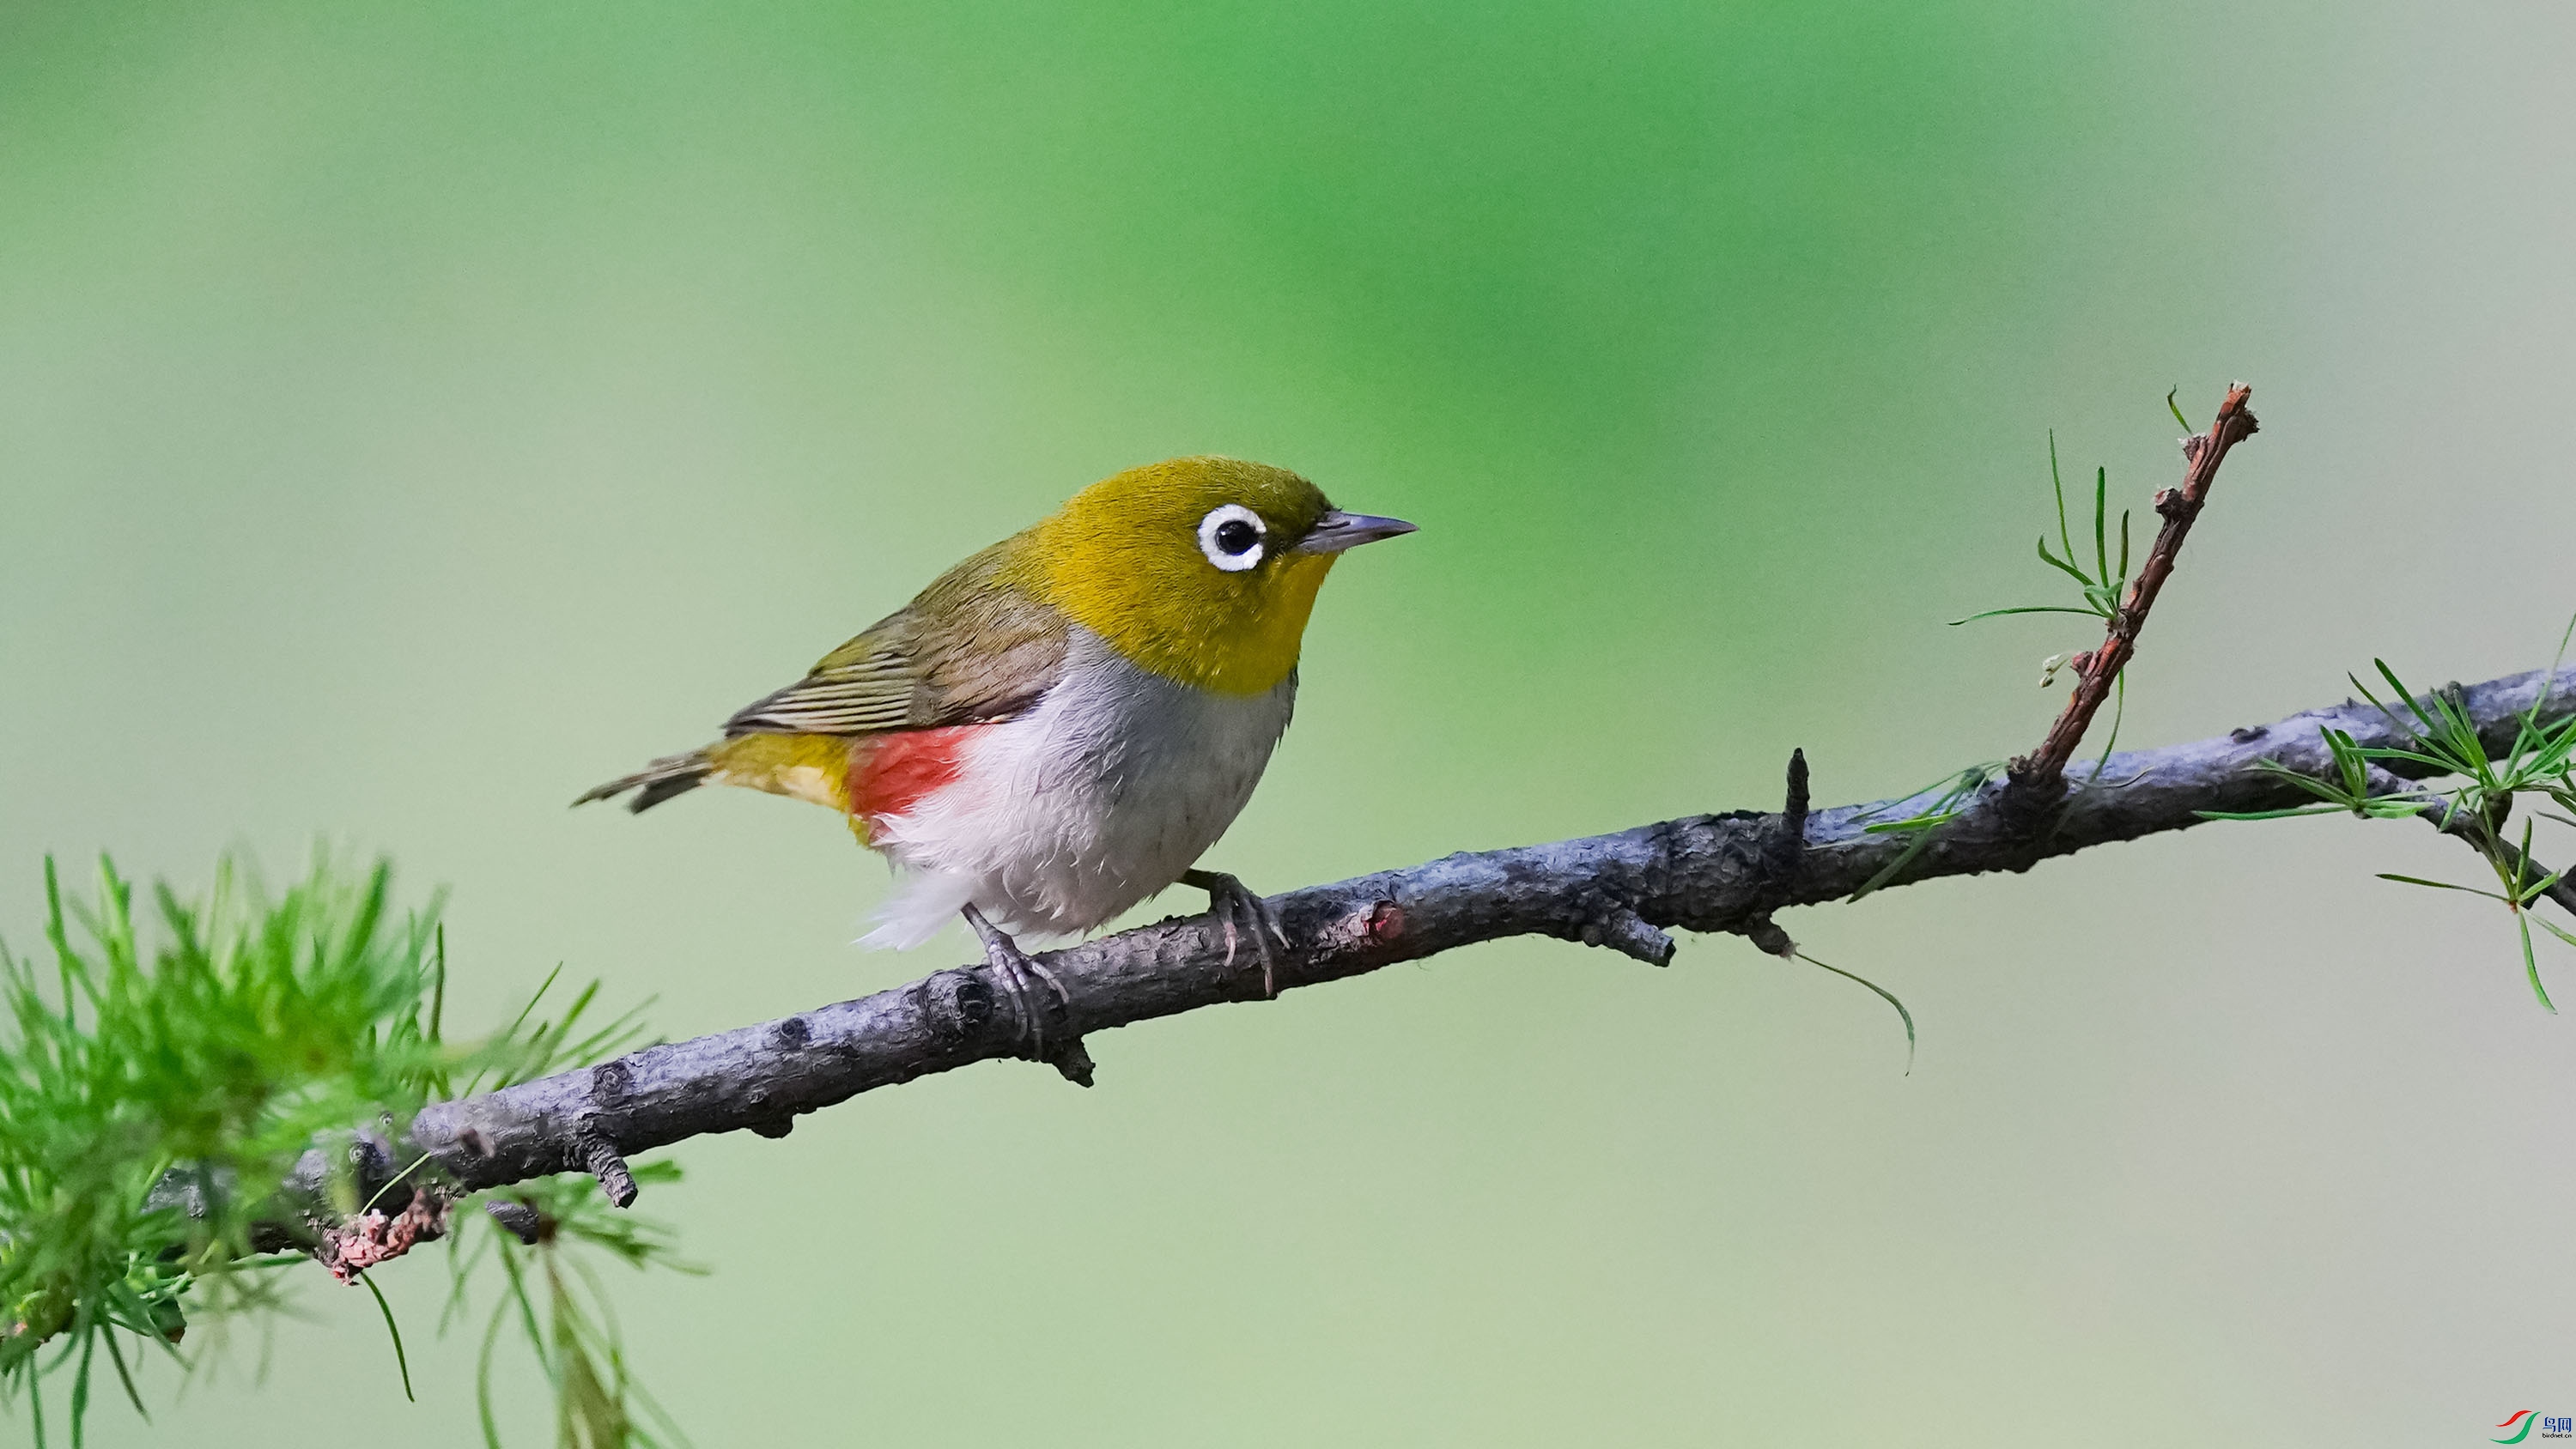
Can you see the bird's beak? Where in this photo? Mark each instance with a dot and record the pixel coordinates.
(1337, 530)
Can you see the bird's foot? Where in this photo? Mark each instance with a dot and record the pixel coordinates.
(1243, 912)
(1015, 969)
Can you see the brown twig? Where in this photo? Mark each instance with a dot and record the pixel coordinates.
(2036, 777)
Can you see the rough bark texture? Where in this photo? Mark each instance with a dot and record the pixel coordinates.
(1708, 873)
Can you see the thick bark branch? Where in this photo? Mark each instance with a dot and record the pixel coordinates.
(1708, 873)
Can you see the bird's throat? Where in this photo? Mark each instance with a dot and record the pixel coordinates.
(1241, 645)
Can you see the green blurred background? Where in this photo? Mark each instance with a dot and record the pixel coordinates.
(411, 416)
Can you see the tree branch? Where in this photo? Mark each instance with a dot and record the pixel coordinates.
(1706, 873)
(2037, 774)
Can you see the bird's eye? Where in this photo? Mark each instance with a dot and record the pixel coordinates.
(1231, 537)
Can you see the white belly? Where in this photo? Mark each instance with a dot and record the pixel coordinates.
(1100, 796)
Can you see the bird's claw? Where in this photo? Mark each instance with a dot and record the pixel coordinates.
(1014, 967)
(1236, 906)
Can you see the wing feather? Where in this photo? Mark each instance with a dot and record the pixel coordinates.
(972, 648)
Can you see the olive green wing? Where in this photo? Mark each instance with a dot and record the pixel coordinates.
(972, 648)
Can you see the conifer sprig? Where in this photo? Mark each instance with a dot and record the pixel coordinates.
(163, 1092)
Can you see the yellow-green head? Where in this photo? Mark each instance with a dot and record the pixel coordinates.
(1200, 569)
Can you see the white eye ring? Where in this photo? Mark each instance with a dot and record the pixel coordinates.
(1231, 521)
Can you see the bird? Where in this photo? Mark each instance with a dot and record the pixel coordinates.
(1060, 726)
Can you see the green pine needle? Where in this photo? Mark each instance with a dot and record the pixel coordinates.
(1884, 995)
(202, 1059)
(395, 1330)
(2102, 590)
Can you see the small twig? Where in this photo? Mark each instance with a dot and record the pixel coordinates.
(2526, 871)
(1622, 930)
(2480, 836)
(1789, 840)
(600, 1156)
(2036, 778)
(2508, 859)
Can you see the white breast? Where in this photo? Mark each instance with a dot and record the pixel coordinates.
(1100, 796)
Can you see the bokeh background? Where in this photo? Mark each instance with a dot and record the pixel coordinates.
(410, 416)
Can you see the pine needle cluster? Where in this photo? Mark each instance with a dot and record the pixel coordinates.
(178, 1109)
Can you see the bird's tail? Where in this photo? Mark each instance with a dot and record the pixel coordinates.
(659, 781)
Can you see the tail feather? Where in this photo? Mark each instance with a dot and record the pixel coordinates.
(659, 781)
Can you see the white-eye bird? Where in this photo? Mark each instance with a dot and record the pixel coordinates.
(1058, 727)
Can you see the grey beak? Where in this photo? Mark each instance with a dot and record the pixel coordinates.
(1337, 530)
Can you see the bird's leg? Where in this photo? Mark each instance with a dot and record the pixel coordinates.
(1014, 967)
(1011, 965)
(1230, 900)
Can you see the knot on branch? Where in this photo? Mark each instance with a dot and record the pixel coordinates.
(521, 1220)
(1766, 934)
(610, 1082)
(771, 1127)
(2034, 792)
(362, 1165)
(1072, 1060)
(1382, 924)
(957, 1004)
